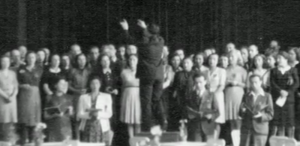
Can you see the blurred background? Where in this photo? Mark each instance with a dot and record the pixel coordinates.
(189, 24)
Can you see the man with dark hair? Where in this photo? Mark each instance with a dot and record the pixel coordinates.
(256, 111)
(274, 48)
(150, 72)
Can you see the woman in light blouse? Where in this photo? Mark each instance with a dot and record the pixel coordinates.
(95, 111)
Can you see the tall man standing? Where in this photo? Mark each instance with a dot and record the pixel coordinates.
(150, 72)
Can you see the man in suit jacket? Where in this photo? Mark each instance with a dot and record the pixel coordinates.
(202, 110)
(256, 111)
(150, 72)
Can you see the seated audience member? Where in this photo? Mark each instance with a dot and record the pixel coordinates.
(258, 69)
(284, 84)
(294, 53)
(183, 83)
(130, 103)
(199, 63)
(29, 100)
(271, 61)
(8, 103)
(202, 110)
(273, 48)
(94, 112)
(256, 111)
(58, 112)
(16, 60)
(224, 61)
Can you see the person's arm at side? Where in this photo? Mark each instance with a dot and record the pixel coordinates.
(295, 84)
(47, 89)
(70, 84)
(242, 110)
(16, 86)
(244, 79)
(215, 108)
(176, 85)
(81, 111)
(268, 113)
(222, 83)
(169, 80)
(107, 112)
(273, 84)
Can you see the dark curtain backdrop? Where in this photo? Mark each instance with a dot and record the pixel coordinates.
(189, 24)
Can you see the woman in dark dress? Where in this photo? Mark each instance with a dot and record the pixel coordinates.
(284, 84)
(50, 75)
(78, 80)
(29, 100)
(59, 124)
(183, 83)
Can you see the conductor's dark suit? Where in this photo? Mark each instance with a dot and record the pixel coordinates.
(150, 72)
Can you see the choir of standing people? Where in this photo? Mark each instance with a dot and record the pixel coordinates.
(140, 85)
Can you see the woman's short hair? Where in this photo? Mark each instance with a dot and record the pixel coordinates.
(285, 55)
(76, 65)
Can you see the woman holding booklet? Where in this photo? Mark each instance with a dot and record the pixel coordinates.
(94, 112)
(284, 83)
(58, 113)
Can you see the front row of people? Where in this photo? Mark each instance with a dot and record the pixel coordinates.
(255, 112)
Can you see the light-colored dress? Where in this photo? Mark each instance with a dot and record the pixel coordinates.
(130, 104)
(215, 79)
(93, 128)
(234, 94)
(8, 84)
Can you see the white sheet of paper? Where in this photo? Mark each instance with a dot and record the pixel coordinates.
(281, 101)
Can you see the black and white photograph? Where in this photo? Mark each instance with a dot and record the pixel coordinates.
(149, 73)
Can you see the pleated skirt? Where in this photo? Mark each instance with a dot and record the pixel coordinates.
(233, 99)
(131, 106)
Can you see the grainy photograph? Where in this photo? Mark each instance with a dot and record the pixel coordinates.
(149, 72)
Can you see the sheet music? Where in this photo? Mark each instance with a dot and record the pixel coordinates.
(281, 101)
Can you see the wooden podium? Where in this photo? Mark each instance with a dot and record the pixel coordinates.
(166, 137)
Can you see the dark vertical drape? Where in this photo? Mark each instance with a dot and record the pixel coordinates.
(189, 24)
